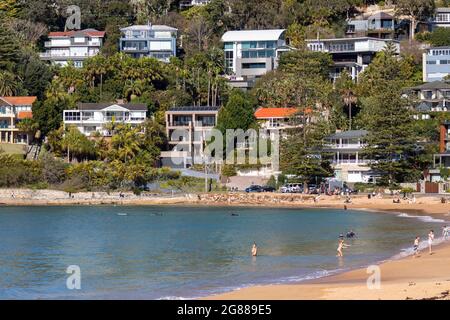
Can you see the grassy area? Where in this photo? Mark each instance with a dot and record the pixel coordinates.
(13, 148)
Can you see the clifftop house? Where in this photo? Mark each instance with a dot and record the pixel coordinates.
(158, 41)
(250, 54)
(75, 46)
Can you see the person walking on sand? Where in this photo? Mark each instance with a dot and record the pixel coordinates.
(416, 246)
(430, 241)
(254, 250)
(341, 245)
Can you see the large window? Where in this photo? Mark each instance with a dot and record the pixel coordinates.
(229, 61)
(72, 116)
(258, 54)
(260, 65)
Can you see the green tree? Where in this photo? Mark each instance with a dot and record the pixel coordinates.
(416, 10)
(9, 85)
(440, 37)
(238, 113)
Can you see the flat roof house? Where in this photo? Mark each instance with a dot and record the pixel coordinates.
(249, 54)
(351, 54)
(441, 18)
(12, 111)
(157, 41)
(187, 129)
(436, 64)
(380, 25)
(90, 118)
(75, 46)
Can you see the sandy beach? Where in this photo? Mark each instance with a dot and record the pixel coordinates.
(423, 277)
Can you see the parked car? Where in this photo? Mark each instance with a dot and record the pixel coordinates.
(254, 188)
(312, 189)
(292, 188)
(268, 189)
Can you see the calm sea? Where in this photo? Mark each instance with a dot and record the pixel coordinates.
(186, 252)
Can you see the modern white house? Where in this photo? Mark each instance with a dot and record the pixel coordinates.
(188, 128)
(90, 118)
(158, 41)
(249, 54)
(436, 64)
(192, 3)
(12, 111)
(75, 46)
(441, 18)
(348, 162)
(351, 54)
(380, 25)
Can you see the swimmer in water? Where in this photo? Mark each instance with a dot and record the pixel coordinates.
(341, 245)
(254, 250)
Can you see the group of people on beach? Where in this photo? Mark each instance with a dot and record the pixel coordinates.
(430, 242)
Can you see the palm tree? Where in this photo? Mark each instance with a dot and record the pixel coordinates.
(126, 143)
(133, 89)
(346, 89)
(8, 84)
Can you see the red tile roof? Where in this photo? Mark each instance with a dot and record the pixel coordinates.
(19, 101)
(264, 113)
(25, 115)
(88, 32)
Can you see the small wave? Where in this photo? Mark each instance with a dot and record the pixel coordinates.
(423, 245)
(422, 218)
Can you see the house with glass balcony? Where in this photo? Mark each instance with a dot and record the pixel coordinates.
(75, 46)
(351, 54)
(94, 118)
(441, 19)
(250, 54)
(12, 111)
(188, 128)
(380, 25)
(157, 41)
(428, 98)
(436, 64)
(346, 155)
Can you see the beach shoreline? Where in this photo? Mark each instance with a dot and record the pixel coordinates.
(426, 277)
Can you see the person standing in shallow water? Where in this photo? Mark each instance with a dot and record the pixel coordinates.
(430, 241)
(254, 250)
(341, 245)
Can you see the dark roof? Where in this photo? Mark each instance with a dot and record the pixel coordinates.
(348, 134)
(433, 86)
(381, 15)
(194, 108)
(100, 106)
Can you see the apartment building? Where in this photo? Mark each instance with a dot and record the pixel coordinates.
(436, 64)
(249, 54)
(75, 46)
(93, 118)
(12, 111)
(347, 160)
(188, 128)
(351, 54)
(157, 41)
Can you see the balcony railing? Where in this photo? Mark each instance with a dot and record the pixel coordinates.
(64, 55)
